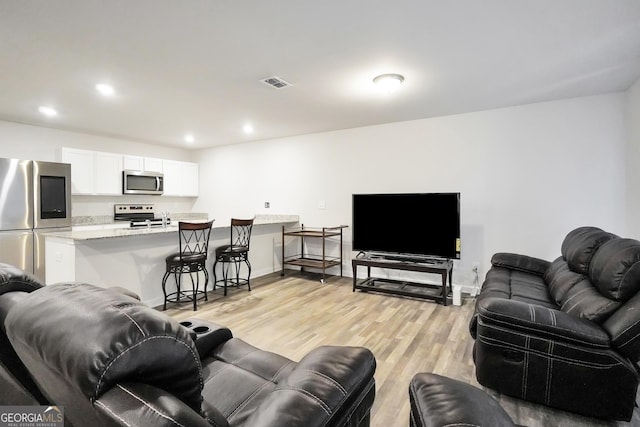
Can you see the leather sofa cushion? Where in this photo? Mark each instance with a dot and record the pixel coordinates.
(266, 389)
(581, 244)
(575, 294)
(516, 285)
(624, 328)
(246, 374)
(506, 283)
(615, 269)
(104, 339)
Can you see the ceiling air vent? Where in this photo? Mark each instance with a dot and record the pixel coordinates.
(276, 82)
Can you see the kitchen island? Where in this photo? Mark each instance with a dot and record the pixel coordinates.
(134, 258)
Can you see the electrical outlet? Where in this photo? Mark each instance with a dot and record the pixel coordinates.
(267, 205)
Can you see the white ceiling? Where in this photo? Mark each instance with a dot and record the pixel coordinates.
(195, 65)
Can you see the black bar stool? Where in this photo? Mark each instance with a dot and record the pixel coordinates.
(235, 253)
(192, 258)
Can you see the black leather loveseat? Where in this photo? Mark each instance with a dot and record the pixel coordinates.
(111, 361)
(564, 333)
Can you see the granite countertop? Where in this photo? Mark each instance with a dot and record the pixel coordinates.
(109, 233)
(88, 220)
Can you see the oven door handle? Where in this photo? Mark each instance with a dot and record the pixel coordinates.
(157, 183)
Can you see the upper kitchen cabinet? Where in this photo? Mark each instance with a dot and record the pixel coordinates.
(82, 170)
(98, 173)
(108, 174)
(153, 165)
(93, 172)
(133, 163)
(139, 163)
(180, 178)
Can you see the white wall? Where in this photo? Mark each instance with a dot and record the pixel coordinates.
(39, 143)
(633, 159)
(527, 174)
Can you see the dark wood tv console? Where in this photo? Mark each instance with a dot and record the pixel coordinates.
(438, 293)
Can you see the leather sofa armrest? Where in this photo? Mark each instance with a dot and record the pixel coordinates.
(542, 321)
(321, 390)
(136, 404)
(206, 335)
(522, 263)
(13, 279)
(438, 401)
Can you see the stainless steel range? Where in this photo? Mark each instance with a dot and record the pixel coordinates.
(140, 215)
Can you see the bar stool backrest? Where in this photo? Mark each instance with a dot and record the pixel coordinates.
(241, 233)
(194, 240)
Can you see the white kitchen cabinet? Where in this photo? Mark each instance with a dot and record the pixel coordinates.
(82, 170)
(152, 165)
(172, 171)
(100, 173)
(133, 163)
(180, 178)
(190, 179)
(93, 172)
(108, 169)
(139, 163)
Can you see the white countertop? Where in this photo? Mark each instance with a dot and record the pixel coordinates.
(110, 233)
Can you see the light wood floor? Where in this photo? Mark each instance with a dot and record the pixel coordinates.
(294, 314)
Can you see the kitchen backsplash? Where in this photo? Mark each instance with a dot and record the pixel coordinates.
(108, 219)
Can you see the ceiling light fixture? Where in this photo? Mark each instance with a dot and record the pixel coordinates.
(189, 138)
(247, 128)
(48, 111)
(105, 89)
(388, 82)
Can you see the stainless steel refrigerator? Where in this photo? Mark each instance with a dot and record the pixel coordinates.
(35, 198)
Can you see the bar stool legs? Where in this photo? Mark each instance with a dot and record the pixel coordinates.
(232, 281)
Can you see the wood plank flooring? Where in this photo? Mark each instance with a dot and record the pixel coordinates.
(294, 314)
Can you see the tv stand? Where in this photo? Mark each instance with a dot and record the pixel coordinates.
(403, 258)
(443, 267)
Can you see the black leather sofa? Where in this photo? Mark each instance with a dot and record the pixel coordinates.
(566, 333)
(438, 401)
(16, 385)
(111, 361)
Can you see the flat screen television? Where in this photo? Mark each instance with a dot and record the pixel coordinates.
(411, 224)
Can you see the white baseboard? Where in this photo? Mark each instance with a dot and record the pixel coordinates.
(470, 289)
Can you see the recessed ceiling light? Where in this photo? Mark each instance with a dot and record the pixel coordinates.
(388, 82)
(189, 138)
(105, 89)
(48, 111)
(247, 128)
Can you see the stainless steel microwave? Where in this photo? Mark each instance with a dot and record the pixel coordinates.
(138, 182)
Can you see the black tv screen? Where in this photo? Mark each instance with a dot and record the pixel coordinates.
(422, 224)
